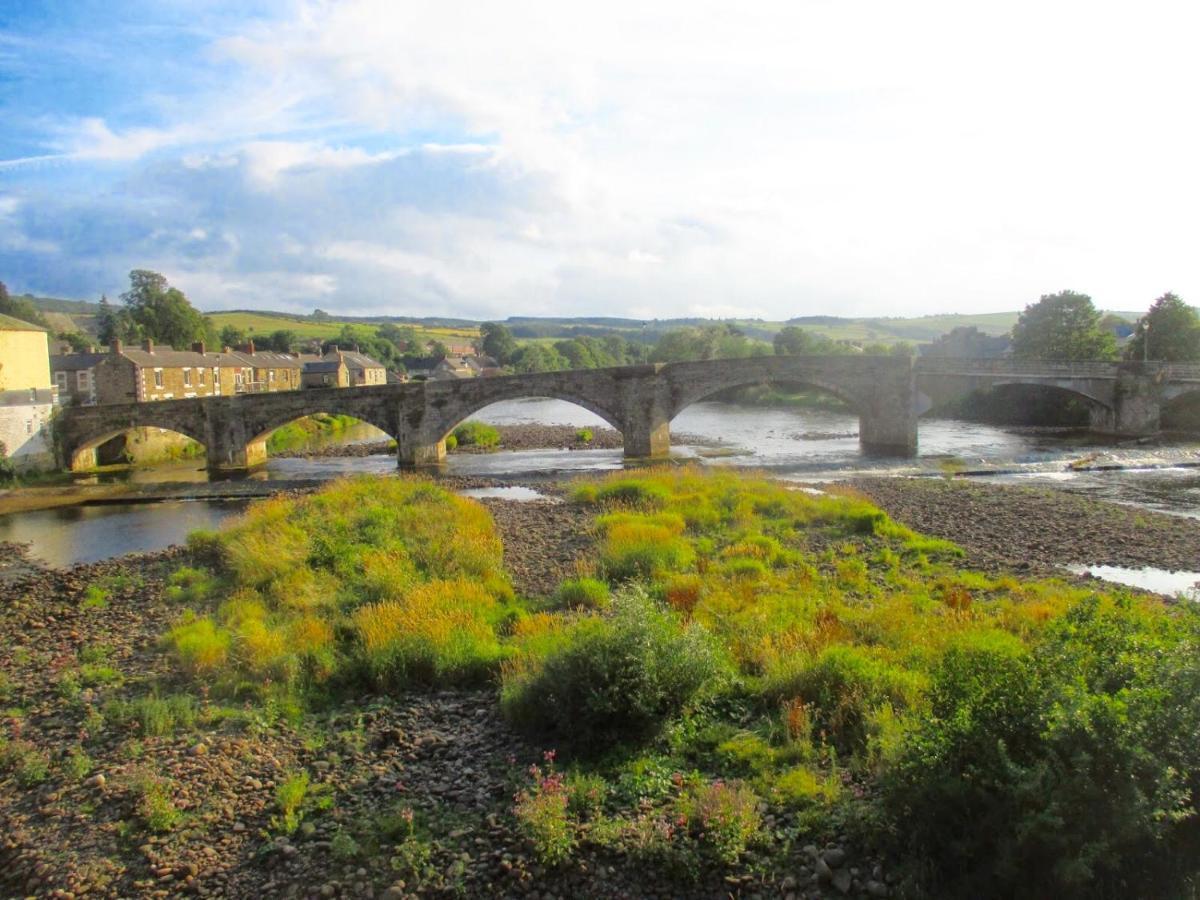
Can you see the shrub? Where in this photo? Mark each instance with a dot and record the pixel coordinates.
(840, 687)
(476, 434)
(615, 677)
(643, 550)
(639, 493)
(584, 435)
(200, 645)
(1066, 757)
(289, 799)
(586, 592)
(723, 815)
(451, 442)
(541, 814)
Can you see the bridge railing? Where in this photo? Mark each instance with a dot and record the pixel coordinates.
(1183, 371)
(949, 365)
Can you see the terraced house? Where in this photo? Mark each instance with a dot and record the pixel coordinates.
(147, 373)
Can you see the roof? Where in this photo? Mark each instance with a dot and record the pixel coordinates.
(359, 360)
(167, 358)
(9, 323)
(74, 362)
(322, 365)
(268, 358)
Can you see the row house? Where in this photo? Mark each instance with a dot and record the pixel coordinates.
(342, 368)
(147, 373)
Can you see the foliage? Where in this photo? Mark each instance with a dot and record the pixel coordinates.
(371, 581)
(722, 341)
(8, 472)
(302, 431)
(1169, 331)
(476, 434)
(585, 592)
(1062, 326)
(232, 336)
(154, 716)
(497, 342)
(20, 308)
(541, 813)
(1066, 754)
(584, 435)
(154, 804)
(295, 797)
(722, 814)
(153, 309)
(614, 677)
(792, 340)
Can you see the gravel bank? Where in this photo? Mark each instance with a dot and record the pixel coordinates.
(1024, 527)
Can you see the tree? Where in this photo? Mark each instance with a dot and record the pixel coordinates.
(281, 340)
(722, 341)
(438, 350)
(79, 341)
(538, 358)
(319, 315)
(161, 312)
(232, 336)
(20, 308)
(402, 338)
(1169, 331)
(497, 342)
(1062, 326)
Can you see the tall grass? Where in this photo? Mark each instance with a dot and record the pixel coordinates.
(384, 581)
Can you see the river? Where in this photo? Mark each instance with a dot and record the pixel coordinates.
(797, 444)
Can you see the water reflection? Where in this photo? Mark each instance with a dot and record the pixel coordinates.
(74, 534)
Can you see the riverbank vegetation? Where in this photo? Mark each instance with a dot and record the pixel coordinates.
(303, 432)
(738, 683)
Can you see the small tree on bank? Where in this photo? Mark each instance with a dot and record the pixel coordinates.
(1062, 326)
(1169, 331)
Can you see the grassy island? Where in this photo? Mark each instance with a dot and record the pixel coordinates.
(740, 684)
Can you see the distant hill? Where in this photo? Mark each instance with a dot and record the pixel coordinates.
(81, 314)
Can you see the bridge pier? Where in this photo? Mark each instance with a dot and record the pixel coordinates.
(1136, 409)
(645, 407)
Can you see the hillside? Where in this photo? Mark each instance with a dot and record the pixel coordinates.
(883, 329)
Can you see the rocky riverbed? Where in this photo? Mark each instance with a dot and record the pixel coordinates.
(73, 791)
(1023, 528)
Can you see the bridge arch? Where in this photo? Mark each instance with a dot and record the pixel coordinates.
(987, 402)
(81, 454)
(1182, 410)
(449, 422)
(696, 395)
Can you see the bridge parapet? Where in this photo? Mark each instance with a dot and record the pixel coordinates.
(949, 365)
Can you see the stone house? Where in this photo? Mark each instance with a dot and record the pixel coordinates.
(75, 376)
(27, 395)
(342, 368)
(147, 373)
(259, 371)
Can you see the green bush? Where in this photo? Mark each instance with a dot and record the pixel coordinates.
(587, 592)
(841, 687)
(584, 435)
(476, 434)
(1063, 769)
(616, 677)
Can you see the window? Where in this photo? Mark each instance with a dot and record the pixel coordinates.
(60, 378)
(270, 376)
(187, 377)
(81, 379)
(158, 378)
(200, 376)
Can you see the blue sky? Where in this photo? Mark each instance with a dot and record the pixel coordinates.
(649, 160)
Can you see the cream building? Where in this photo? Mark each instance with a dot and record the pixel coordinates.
(26, 394)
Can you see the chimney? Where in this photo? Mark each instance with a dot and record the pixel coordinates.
(198, 347)
(226, 349)
(148, 345)
(250, 346)
(115, 346)
(333, 348)
(91, 348)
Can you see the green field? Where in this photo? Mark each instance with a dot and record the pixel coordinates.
(255, 324)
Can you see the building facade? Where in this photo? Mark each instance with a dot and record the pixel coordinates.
(27, 394)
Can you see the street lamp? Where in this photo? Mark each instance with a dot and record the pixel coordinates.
(1145, 341)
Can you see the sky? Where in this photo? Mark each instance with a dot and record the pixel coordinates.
(649, 160)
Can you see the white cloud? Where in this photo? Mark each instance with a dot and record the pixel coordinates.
(776, 159)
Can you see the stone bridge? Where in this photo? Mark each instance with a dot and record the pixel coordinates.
(887, 393)
(1124, 399)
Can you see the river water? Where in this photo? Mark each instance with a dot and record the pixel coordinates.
(798, 444)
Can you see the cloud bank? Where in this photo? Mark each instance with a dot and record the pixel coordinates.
(647, 160)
